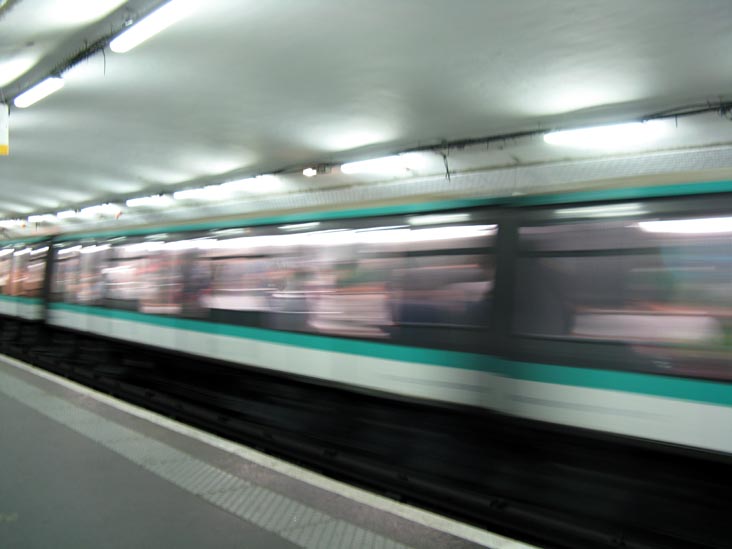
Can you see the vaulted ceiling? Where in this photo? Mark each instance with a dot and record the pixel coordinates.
(239, 88)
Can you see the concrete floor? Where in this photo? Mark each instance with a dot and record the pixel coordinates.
(79, 472)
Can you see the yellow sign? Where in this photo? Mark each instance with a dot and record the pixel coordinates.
(4, 130)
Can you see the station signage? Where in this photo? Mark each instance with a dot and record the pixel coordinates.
(4, 130)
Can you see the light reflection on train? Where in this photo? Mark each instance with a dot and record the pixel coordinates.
(657, 289)
(663, 288)
(22, 270)
(358, 283)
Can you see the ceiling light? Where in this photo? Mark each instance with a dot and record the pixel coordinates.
(238, 185)
(154, 201)
(66, 214)
(38, 92)
(608, 137)
(44, 218)
(705, 225)
(268, 184)
(190, 194)
(102, 210)
(149, 26)
(211, 192)
(310, 172)
(387, 164)
(12, 223)
(397, 164)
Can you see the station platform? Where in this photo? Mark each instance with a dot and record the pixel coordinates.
(79, 468)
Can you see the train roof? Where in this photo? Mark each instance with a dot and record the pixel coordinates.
(579, 197)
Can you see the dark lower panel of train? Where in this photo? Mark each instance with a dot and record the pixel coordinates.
(552, 486)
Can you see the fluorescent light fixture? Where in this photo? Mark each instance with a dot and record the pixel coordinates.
(39, 251)
(101, 210)
(43, 218)
(38, 92)
(238, 185)
(6, 251)
(609, 137)
(386, 165)
(190, 194)
(300, 226)
(11, 223)
(609, 210)
(707, 225)
(438, 219)
(149, 26)
(66, 214)
(310, 172)
(154, 201)
(268, 184)
(24, 251)
(211, 192)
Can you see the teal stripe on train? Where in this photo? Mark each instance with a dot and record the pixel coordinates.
(29, 240)
(625, 193)
(20, 299)
(647, 384)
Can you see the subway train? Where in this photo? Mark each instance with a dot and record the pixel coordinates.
(602, 310)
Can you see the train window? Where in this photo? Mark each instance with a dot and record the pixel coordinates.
(6, 264)
(22, 270)
(662, 287)
(427, 284)
(64, 279)
(386, 282)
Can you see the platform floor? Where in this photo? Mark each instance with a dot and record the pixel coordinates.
(79, 469)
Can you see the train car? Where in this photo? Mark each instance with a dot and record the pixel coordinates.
(609, 311)
(22, 277)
